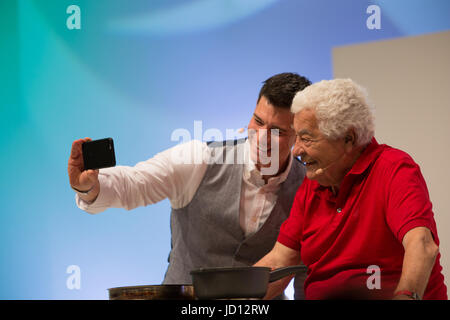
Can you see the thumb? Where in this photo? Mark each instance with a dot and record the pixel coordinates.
(93, 175)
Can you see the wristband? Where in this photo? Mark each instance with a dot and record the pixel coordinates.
(412, 295)
(82, 192)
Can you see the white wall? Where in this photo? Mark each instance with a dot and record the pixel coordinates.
(408, 80)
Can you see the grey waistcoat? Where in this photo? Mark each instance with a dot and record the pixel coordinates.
(207, 233)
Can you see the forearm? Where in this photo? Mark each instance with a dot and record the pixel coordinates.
(280, 256)
(120, 187)
(418, 262)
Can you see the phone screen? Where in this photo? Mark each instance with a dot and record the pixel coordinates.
(99, 154)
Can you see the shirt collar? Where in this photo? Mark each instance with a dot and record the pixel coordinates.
(365, 159)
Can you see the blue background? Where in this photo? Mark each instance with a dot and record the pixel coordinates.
(136, 71)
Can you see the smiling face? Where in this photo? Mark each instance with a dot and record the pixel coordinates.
(334, 157)
(270, 126)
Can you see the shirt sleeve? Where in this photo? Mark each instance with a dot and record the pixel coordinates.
(408, 202)
(291, 229)
(175, 174)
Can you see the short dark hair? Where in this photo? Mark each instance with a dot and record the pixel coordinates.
(281, 88)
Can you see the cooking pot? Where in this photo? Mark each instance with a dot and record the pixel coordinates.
(237, 282)
(153, 292)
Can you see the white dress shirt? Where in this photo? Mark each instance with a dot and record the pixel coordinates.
(176, 174)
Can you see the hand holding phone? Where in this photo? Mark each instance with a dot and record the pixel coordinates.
(85, 159)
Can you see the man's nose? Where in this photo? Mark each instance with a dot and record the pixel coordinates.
(298, 150)
(264, 136)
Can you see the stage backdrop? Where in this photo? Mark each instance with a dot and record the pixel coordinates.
(136, 71)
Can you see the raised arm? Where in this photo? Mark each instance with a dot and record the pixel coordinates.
(174, 173)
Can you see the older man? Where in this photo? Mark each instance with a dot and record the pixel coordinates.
(224, 213)
(362, 220)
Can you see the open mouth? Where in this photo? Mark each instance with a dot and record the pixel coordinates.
(309, 163)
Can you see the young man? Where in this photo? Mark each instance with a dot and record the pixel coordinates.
(224, 213)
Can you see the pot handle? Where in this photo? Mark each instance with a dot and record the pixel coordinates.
(280, 273)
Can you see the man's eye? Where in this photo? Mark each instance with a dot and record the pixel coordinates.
(306, 141)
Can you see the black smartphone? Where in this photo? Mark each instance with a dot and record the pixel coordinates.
(98, 154)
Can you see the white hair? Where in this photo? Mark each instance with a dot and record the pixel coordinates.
(339, 105)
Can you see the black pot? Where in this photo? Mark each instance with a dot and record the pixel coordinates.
(237, 282)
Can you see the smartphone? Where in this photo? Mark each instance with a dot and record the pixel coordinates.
(98, 154)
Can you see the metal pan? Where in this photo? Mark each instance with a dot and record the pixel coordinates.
(237, 282)
(153, 292)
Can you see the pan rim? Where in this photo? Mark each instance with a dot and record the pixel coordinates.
(219, 269)
(153, 286)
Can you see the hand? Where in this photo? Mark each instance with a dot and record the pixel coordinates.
(78, 177)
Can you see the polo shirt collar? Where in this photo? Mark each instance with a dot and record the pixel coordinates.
(366, 158)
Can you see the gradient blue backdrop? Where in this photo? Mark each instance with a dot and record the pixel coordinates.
(136, 71)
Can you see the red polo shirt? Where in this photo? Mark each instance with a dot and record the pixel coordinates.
(341, 238)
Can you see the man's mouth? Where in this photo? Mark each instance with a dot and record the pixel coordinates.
(309, 163)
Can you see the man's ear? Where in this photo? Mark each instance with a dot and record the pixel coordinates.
(350, 139)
